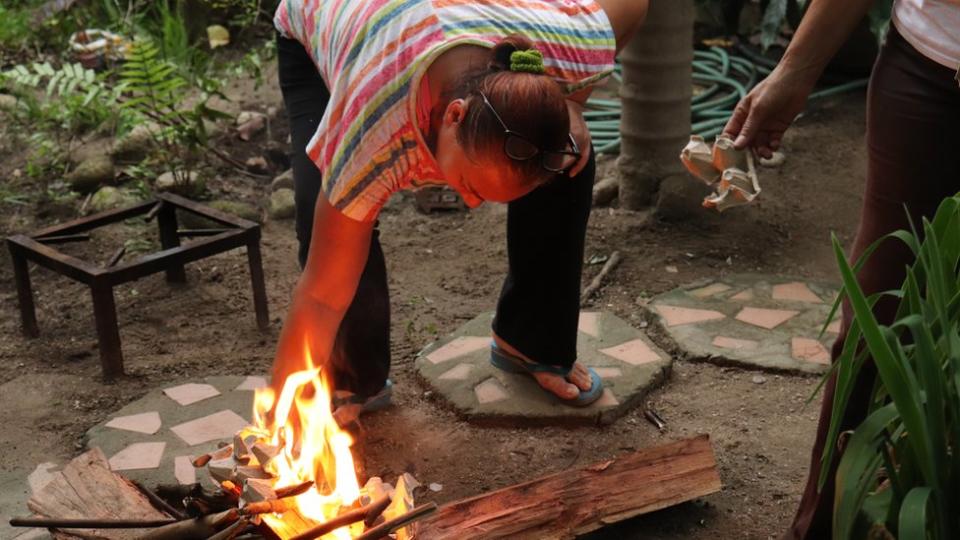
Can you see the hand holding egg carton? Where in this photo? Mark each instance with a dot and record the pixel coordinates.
(730, 172)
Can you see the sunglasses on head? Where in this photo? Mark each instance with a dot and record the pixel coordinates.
(519, 148)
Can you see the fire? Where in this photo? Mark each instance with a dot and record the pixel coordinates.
(313, 447)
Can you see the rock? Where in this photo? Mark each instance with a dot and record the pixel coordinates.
(90, 174)
(189, 186)
(257, 164)
(249, 123)
(759, 379)
(213, 129)
(239, 209)
(282, 205)
(283, 181)
(96, 148)
(135, 145)
(605, 191)
(109, 197)
(7, 102)
(775, 160)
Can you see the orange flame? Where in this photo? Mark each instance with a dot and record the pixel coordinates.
(313, 447)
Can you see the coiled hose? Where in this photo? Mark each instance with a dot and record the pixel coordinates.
(721, 79)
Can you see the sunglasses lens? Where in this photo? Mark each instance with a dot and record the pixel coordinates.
(519, 148)
(557, 162)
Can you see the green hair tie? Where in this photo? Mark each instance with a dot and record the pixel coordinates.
(528, 61)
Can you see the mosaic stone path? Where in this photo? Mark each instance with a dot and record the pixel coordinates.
(457, 368)
(751, 320)
(154, 439)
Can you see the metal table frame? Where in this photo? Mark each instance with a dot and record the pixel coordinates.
(236, 232)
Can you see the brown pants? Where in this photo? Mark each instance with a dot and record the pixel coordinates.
(913, 140)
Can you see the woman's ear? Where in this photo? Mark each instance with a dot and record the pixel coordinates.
(455, 112)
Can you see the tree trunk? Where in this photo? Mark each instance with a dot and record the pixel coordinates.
(656, 91)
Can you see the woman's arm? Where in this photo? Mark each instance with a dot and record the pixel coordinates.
(762, 117)
(338, 252)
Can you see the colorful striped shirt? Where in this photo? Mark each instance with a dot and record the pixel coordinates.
(372, 55)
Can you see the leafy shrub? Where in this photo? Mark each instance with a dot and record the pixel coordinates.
(900, 471)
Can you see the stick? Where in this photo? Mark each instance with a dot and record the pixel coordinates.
(391, 525)
(194, 528)
(347, 518)
(57, 523)
(117, 256)
(63, 239)
(293, 491)
(154, 211)
(158, 502)
(612, 262)
(202, 232)
(376, 510)
(232, 531)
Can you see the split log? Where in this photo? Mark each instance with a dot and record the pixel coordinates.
(87, 488)
(572, 503)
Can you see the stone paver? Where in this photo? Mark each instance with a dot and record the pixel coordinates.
(766, 322)
(458, 369)
(185, 431)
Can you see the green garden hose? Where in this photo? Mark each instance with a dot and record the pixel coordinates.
(721, 79)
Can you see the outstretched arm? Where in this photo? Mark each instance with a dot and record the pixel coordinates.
(762, 117)
(338, 252)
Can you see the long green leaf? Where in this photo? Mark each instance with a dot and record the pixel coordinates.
(913, 514)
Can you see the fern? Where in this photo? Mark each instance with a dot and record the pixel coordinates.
(69, 80)
(150, 83)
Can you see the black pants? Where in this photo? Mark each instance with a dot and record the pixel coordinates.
(539, 305)
(913, 110)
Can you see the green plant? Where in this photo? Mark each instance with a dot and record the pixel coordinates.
(900, 471)
(153, 88)
(77, 99)
(780, 13)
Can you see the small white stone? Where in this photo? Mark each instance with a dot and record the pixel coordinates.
(436, 487)
(671, 269)
(759, 379)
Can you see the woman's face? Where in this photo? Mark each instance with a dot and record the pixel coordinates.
(477, 178)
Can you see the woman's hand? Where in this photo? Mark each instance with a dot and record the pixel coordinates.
(581, 134)
(762, 117)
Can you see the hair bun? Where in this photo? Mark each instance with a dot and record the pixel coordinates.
(528, 61)
(501, 57)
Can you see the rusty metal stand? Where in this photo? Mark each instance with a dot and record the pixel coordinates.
(36, 248)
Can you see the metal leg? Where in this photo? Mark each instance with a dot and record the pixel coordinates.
(259, 288)
(28, 314)
(105, 317)
(167, 220)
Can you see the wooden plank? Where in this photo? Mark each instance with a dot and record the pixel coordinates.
(87, 488)
(572, 503)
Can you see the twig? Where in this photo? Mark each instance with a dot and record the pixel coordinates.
(154, 211)
(117, 256)
(391, 525)
(612, 263)
(86, 202)
(202, 232)
(232, 531)
(58, 523)
(293, 491)
(63, 239)
(376, 509)
(342, 520)
(157, 501)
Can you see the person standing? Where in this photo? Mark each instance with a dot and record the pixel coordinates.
(913, 114)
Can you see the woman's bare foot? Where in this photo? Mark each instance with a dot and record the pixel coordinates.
(568, 387)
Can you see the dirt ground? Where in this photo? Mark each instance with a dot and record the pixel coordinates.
(444, 269)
